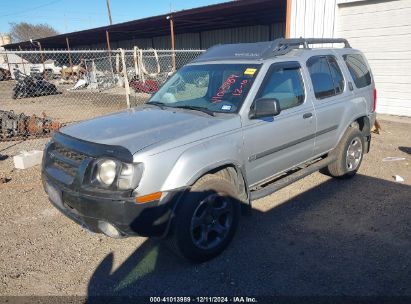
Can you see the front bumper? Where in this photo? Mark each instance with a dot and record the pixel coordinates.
(66, 171)
(128, 217)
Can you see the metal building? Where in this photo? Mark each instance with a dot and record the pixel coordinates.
(380, 28)
(198, 28)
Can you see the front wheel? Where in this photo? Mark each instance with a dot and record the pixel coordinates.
(349, 154)
(206, 219)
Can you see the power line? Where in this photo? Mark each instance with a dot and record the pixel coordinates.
(31, 9)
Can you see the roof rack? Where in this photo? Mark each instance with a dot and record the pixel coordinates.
(263, 50)
(282, 46)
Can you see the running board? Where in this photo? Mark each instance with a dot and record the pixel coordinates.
(289, 179)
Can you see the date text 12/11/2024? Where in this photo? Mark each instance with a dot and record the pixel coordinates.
(236, 299)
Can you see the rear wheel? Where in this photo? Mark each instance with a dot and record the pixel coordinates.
(206, 219)
(349, 154)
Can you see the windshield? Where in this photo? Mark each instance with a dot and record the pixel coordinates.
(212, 87)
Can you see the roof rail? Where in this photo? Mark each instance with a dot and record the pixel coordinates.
(282, 46)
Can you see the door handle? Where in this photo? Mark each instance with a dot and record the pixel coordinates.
(307, 115)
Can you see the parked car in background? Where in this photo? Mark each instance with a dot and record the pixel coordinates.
(12, 62)
(236, 124)
(50, 69)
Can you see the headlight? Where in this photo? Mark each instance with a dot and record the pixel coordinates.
(106, 172)
(121, 175)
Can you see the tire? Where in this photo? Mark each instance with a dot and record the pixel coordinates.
(206, 219)
(349, 154)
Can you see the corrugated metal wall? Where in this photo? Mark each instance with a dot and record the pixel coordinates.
(204, 39)
(207, 39)
(234, 35)
(313, 18)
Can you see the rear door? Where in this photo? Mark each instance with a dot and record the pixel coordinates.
(274, 144)
(329, 100)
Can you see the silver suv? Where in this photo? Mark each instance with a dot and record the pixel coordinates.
(236, 124)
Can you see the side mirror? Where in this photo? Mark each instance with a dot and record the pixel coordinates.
(265, 107)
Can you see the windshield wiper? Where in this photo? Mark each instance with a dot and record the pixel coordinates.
(157, 103)
(201, 109)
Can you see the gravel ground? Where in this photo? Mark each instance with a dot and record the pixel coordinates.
(319, 236)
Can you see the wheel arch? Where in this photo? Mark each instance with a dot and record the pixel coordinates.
(234, 169)
(363, 124)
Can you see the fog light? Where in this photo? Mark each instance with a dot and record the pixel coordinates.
(109, 230)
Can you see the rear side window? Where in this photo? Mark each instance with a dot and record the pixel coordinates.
(326, 76)
(358, 69)
(336, 75)
(284, 83)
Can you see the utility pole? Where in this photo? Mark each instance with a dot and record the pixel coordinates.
(109, 11)
(173, 56)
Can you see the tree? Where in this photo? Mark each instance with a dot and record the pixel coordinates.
(24, 31)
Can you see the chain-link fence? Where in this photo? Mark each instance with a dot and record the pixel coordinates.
(40, 90)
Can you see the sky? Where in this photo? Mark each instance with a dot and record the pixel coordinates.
(74, 15)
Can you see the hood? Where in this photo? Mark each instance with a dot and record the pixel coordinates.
(138, 128)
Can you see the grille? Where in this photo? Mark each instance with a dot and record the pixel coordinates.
(65, 167)
(72, 155)
(64, 160)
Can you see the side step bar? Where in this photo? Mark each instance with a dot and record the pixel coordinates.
(289, 179)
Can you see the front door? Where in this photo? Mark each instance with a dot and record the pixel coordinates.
(275, 144)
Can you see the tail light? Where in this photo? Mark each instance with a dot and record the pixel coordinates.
(375, 100)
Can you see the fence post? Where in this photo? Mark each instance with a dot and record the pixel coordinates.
(126, 84)
(7, 59)
(22, 61)
(136, 64)
(69, 55)
(108, 42)
(42, 61)
(173, 58)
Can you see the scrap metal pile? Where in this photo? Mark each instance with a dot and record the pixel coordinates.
(32, 86)
(19, 126)
(144, 81)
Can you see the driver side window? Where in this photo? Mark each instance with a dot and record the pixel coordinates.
(284, 83)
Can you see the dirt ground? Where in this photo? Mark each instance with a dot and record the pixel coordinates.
(319, 236)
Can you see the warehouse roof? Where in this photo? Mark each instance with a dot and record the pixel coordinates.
(218, 16)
